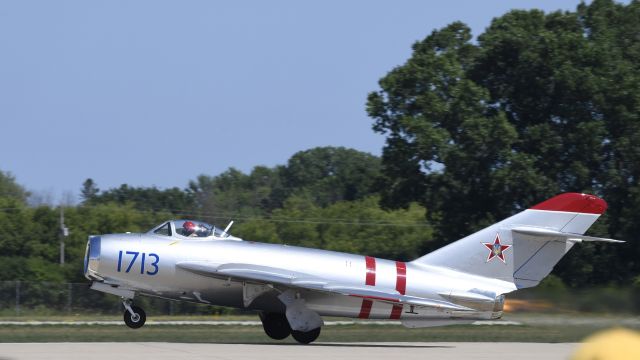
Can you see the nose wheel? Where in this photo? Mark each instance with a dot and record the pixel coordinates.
(134, 317)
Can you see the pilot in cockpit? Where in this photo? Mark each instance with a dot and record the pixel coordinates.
(189, 229)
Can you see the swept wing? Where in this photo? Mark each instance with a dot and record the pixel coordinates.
(292, 279)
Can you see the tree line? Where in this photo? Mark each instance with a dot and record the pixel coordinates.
(324, 197)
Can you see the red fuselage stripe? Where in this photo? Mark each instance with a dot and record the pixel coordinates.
(371, 271)
(370, 279)
(401, 287)
(365, 309)
(401, 277)
(396, 311)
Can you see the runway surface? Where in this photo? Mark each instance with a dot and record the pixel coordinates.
(370, 351)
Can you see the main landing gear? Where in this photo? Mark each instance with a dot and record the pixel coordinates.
(306, 337)
(134, 316)
(276, 326)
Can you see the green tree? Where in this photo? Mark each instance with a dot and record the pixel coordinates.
(325, 175)
(447, 146)
(358, 226)
(541, 104)
(10, 189)
(89, 190)
(15, 226)
(233, 193)
(331, 174)
(173, 200)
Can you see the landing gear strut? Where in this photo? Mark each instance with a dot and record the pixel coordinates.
(134, 316)
(275, 325)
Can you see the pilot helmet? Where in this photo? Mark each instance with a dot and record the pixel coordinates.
(189, 227)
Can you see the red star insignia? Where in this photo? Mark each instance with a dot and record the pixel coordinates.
(496, 249)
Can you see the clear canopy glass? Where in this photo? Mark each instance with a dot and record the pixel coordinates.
(190, 229)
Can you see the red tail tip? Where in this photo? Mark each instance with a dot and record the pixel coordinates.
(574, 202)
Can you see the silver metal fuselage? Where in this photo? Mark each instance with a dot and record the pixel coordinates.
(155, 273)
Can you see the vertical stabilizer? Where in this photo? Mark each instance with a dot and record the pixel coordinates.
(522, 258)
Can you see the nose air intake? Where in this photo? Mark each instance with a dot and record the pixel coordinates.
(92, 257)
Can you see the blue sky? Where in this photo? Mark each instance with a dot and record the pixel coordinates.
(157, 92)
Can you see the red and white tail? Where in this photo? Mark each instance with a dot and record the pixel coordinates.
(525, 247)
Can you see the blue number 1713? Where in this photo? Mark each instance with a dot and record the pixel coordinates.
(134, 256)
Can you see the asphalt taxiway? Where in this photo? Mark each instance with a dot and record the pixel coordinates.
(319, 351)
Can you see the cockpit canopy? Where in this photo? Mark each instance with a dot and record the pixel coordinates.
(192, 229)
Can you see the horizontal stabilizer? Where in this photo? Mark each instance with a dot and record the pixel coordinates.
(545, 234)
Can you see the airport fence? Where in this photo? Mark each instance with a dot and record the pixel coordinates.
(26, 298)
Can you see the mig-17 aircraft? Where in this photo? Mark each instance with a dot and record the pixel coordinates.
(292, 288)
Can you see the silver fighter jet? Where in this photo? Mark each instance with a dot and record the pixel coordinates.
(293, 287)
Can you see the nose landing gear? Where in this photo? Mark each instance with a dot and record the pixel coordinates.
(134, 317)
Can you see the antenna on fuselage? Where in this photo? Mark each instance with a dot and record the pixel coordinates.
(224, 233)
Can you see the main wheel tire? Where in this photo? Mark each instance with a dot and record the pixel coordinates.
(136, 320)
(275, 325)
(306, 337)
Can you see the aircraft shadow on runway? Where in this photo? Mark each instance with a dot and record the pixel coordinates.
(399, 346)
